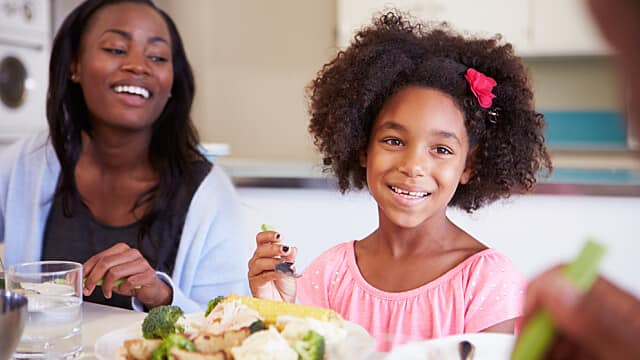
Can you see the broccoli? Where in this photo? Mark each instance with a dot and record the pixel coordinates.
(162, 322)
(212, 304)
(256, 326)
(310, 346)
(172, 341)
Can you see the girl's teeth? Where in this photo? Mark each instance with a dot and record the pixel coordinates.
(409, 193)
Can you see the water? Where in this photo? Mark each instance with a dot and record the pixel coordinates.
(52, 329)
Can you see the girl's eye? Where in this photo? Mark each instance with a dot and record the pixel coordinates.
(159, 59)
(392, 141)
(114, 51)
(443, 150)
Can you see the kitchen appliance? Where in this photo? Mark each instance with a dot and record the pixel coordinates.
(25, 28)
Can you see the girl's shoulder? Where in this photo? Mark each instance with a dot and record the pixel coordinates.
(489, 264)
(334, 257)
(486, 258)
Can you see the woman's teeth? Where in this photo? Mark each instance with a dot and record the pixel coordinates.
(136, 90)
(411, 194)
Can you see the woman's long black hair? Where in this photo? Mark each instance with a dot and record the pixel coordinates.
(174, 141)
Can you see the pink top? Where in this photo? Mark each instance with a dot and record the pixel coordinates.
(483, 290)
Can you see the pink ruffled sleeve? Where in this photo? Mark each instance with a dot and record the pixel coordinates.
(313, 286)
(494, 292)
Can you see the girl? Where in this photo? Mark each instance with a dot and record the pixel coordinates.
(118, 183)
(426, 119)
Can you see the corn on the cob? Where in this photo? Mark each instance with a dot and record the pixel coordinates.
(270, 310)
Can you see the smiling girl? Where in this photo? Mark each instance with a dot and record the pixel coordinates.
(425, 119)
(119, 183)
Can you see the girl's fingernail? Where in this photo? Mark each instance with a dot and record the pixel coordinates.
(277, 235)
(285, 249)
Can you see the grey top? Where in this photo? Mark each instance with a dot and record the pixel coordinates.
(80, 236)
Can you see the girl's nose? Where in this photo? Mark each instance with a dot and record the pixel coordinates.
(414, 164)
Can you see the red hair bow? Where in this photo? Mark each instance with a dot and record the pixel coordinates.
(481, 86)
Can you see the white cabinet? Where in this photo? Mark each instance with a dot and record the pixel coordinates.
(534, 27)
(563, 27)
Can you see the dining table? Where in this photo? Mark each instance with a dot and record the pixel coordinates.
(98, 320)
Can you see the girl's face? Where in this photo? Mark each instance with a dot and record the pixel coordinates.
(416, 156)
(124, 66)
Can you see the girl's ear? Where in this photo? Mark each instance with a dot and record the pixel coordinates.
(466, 175)
(363, 158)
(468, 168)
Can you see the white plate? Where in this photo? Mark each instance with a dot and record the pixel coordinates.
(488, 346)
(358, 344)
(107, 346)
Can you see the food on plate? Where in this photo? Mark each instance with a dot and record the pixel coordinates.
(270, 310)
(141, 348)
(240, 328)
(162, 321)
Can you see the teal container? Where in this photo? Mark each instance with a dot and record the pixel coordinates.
(585, 130)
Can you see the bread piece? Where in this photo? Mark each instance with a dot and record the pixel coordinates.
(178, 354)
(209, 343)
(141, 349)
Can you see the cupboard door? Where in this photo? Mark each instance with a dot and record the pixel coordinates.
(486, 18)
(564, 28)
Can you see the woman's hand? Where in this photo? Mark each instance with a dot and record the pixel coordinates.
(264, 281)
(122, 262)
(604, 323)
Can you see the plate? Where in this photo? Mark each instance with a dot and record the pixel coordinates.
(357, 345)
(488, 346)
(107, 346)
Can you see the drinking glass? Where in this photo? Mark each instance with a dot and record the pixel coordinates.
(54, 293)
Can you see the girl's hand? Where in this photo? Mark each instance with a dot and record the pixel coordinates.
(264, 281)
(122, 262)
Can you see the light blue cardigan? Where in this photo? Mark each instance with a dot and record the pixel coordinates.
(214, 247)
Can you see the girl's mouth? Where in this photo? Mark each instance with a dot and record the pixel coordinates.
(409, 194)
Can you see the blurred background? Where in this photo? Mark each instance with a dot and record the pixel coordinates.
(253, 58)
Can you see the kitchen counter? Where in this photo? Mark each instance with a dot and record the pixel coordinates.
(587, 179)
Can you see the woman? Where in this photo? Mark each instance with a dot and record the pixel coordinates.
(119, 183)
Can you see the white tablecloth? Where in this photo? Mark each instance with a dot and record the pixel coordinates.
(98, 320)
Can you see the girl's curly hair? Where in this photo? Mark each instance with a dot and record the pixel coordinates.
(393, 53)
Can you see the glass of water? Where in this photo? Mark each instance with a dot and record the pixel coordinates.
(54, 294)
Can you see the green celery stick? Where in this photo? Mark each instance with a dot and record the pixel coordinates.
(265, 227)
(539, 333)
(116, 284)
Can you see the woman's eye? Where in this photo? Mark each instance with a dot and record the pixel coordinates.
(158, 59)
(393, 141)
(114, 51)
(443, 150)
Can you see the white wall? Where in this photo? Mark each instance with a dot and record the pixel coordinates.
(535, 231)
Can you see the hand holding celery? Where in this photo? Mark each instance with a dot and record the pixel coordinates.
(538, 334)
(116, 284)
(285, 267)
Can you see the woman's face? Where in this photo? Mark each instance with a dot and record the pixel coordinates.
(124, 66)
(416, 156)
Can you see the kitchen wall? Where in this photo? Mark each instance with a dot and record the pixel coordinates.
(535, 231)
(253, 58)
